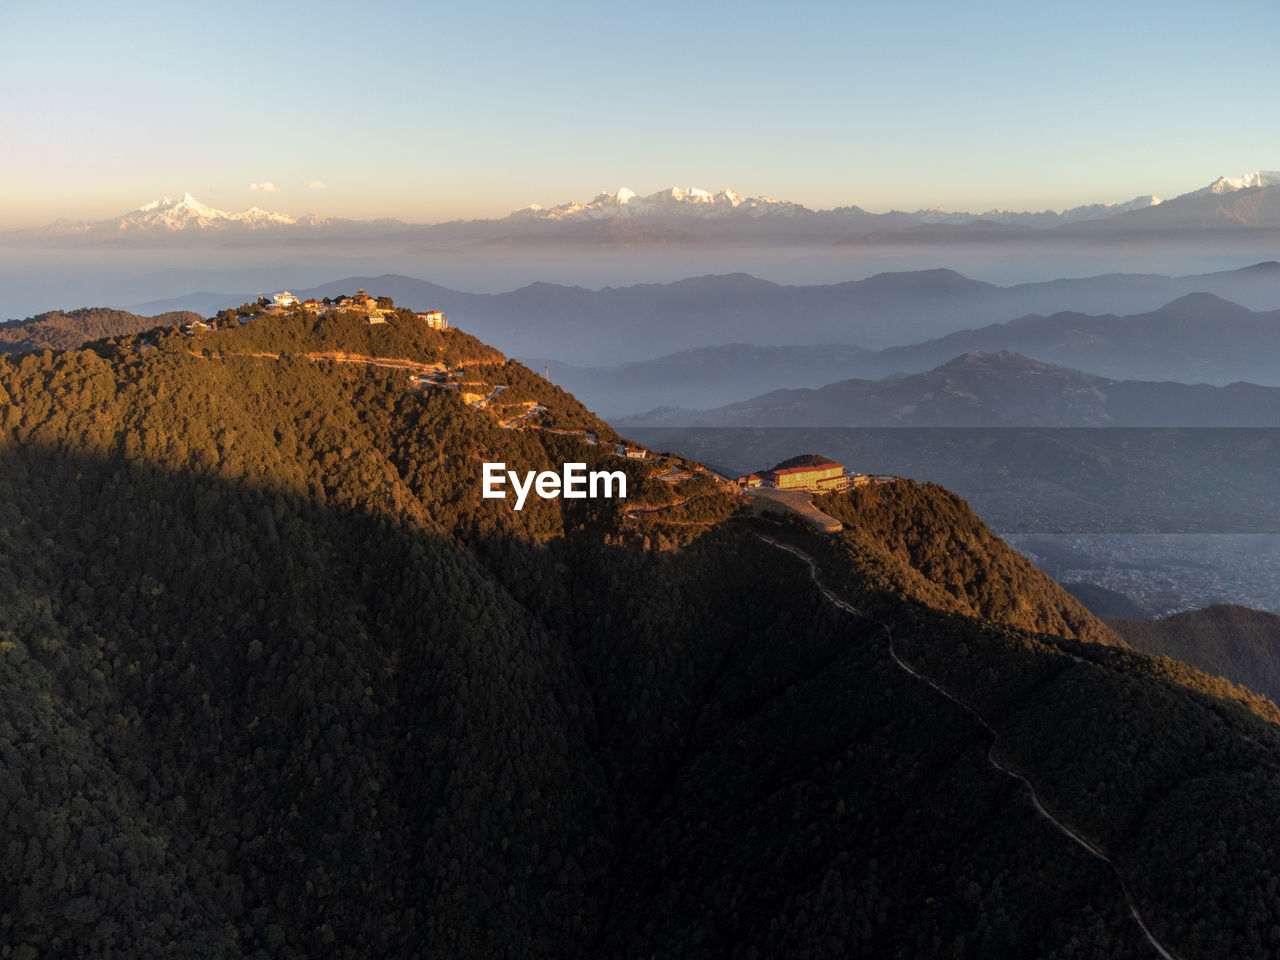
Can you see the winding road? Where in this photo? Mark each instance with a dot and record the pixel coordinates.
(532, 409)
(995, 762)
(633, 512)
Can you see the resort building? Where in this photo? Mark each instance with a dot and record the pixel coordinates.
(820, 477)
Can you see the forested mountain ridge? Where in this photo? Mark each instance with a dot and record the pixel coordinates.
(930, 546)
(1225, 639)
(64, 330)
(319, 407)
(277, 681)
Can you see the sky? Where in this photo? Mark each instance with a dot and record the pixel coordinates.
(434, 111)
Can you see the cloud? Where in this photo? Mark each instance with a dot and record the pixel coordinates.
(316, 185)
(268, 187)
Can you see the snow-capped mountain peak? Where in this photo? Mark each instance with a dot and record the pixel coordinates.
(672, 202)
(185, 205)
(691, 195)
(1247, 181)
(188, 213)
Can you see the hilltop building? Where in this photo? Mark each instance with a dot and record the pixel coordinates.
(806, 478)
(818, 478)
(375, 310)
(361, 301)
(812, 478)
(435, 319)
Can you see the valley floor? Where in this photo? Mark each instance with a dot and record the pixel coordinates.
(1164, 573)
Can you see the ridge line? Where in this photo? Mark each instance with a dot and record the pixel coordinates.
(1059, 825)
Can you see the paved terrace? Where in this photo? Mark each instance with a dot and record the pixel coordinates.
(798, 502)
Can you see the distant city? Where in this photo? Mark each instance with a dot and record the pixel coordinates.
(1164, 573)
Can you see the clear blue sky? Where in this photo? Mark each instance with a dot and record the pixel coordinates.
(429, 111)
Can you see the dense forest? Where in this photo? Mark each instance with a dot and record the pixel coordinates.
(1231, 641)
(59, 330)
(278, 682)
(952, 562)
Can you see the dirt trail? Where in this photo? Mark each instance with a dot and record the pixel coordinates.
(1066, 830)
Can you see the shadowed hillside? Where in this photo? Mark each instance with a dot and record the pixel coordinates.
(1231, 641)
(278, 682)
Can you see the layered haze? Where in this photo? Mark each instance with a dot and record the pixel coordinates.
(169, 248)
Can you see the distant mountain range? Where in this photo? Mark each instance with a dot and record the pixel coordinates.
(187, 216)
(691, 214)
(704, 376)
(679, 204)
(623, 325)
(165, 216)
(992, 390)
(1198, 338)
(1230, 206)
